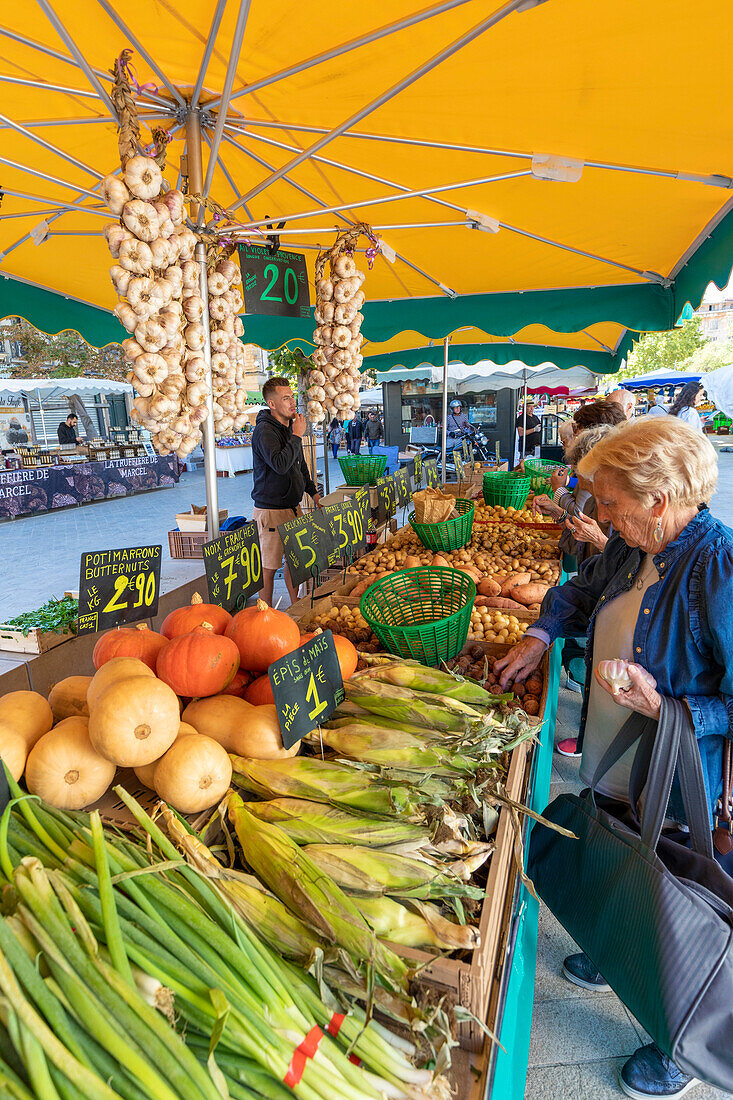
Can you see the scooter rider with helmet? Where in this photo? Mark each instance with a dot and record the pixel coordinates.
(457, 423)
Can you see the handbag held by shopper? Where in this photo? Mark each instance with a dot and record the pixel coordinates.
(654, 916)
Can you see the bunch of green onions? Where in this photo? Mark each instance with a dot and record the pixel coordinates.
(106, 935)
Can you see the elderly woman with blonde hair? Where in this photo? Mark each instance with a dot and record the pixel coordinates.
(659, 596)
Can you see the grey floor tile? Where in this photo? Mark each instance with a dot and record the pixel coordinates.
(553, 944)
(587, 1028)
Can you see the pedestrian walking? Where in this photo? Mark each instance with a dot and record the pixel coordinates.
(373, 431)
(335, 435)
(356, 431)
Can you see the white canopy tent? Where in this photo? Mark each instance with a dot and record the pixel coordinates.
(50, 391)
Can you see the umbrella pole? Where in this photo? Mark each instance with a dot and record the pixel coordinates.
(445, 405)
(196, 183)
(524, 419)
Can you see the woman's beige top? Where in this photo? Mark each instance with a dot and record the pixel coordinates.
(613, 639)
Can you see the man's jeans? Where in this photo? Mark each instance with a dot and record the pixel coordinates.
(371, 444)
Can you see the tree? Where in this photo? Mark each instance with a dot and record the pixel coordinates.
(669, 351)
(713, 354)
(290, 362)
(65, 355)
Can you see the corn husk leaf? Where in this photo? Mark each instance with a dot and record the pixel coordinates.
(321, 781)
(403, 705)
(296, 880)
(393, 748)
(417, 677)
(313, 823)
(366, 872)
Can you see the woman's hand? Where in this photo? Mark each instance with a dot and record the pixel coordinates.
(586, 529)
(642, 696)
(559, 480)
(545, 505)
(522, 659)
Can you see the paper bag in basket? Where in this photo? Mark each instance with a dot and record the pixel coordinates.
(432, 506)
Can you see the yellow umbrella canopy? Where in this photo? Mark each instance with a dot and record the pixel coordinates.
(547, 171)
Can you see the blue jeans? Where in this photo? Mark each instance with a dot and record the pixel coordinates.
(371, 444)
(335, 447)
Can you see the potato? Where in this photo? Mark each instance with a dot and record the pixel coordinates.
(529, 593)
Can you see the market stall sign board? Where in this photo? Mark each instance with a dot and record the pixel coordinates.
(430, 466)
(307, 687)
(386, 498)
(309, 546)
(233, 564)
(117, 587)
(274, 283)
(402, 487)
(459, 464)
(418, 471)
(349, 523)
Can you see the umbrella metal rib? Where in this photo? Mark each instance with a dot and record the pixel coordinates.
(135, 41)
(208, 50)
(78, 55)
(19, 129)
(242, 16)
(390, 93)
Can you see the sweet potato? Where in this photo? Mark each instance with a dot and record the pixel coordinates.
(526, 594)
(504, 603)
(513, 580)
(489, 587)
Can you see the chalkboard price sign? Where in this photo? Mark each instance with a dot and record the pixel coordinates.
(118, 587)
(386, 498)
(274, 283)
(459, 464)
(402, 486)
(349, 523)
(431, 473)
(309, 546)
(233, 563)
(307, 687)
(464, 448)
(418, 471)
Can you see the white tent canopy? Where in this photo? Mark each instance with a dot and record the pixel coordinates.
(719, 388)
(486, 375)
(47, 386)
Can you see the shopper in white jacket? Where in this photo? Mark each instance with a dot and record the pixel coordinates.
(684, 404)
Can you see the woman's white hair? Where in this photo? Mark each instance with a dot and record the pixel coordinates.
(656, 454)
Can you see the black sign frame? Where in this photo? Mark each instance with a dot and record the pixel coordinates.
(270, 279)
(307, 687)
(107, 578)
(306, 534)
(386, 498)
(230, 558)
(430, 468)
(402, 487)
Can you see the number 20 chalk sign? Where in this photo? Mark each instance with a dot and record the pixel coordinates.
(118, 587)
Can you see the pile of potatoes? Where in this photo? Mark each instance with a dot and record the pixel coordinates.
(479, 665)
(349, 622)
(488, 513)
(491, 625)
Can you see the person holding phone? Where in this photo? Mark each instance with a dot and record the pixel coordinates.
(281, 477)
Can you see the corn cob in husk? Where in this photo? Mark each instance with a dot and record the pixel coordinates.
(313, 823)
(368, 872)
(417, 677)
(420, 925)
(393, 748)
(321, 781)
(314, 897)
(403, 705)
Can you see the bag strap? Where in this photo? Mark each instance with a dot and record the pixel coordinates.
(723, 833)
(692, 785)
(635, 726)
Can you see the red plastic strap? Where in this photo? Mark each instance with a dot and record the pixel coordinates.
(334, 1024)
(307, 1049)
(355, 1060)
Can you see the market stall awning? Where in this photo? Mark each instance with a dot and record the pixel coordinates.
(517, 170)
(68, 385)
(660, 378)
(486, 375)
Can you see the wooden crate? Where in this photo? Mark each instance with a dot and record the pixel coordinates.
(36, 641)
(187, 544)
(474, 982)
(113, 810)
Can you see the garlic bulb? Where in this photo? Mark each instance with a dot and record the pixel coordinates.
(196, 393)
(220, 363)
(126, 315)
(344, 313)
(132, 350)
(151, 335)
(217, 284)
(142, 296)
(198, 414)
(166, 227)
(135, 256)
(342, 359)
(169, 319)
(344, 266)
(115, 235)
(219, 340)
(143, 178)
(141, 219)
(195, 368)
(616, 674)
(120, 278)
(344, 290)
(174, 276)
(341, 336)
(115, 193)
(175, 203)
(173, 386)
(193, 307)
(230, 271)
(195, 336)
(150, 367)
(186, 242)
(218, 309)
(145, 389)
(238, 326)
(324, 290)
(359, 299)
(190, 272)
(161, 253)
(235, 300)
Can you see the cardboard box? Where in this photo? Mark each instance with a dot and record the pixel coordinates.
(189, 521)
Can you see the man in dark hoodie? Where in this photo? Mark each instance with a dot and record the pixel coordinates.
(280, 476)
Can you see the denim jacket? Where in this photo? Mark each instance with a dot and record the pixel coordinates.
(684, 633)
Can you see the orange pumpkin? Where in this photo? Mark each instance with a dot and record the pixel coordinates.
(262, 635)
(346, 652)
(129, 641)
(259, 692)
(242, 679)
(198, 664)
(185, 619)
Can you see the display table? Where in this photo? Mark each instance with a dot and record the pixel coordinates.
(30, 490)
(234, 460)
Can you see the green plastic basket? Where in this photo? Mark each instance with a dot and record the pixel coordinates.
(539, 471)
(450, 535)
(362, 469)
(421, 613)
(507, 490)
